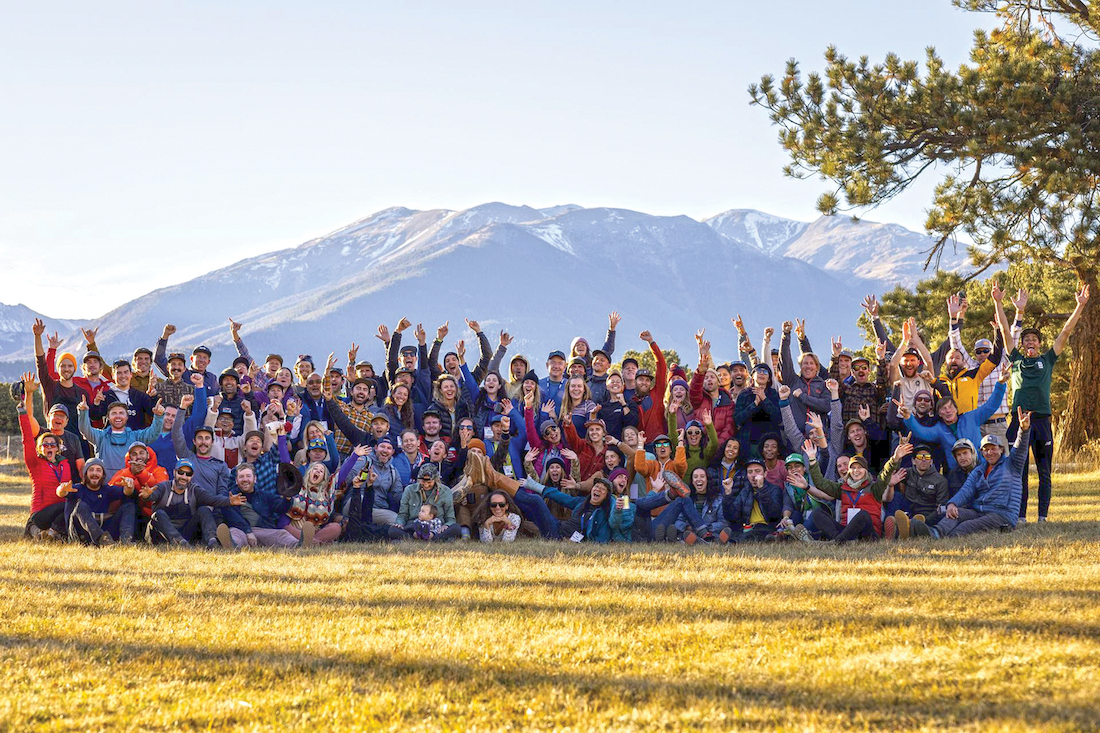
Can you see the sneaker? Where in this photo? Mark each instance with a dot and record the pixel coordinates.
(106, 540)
(800, 533)
(1021, 521)
(52, 535)
(34, 532)
(690, 538)
(901, 522)
(308, 530)
(671, 533)
(224, 537)
(465, 533)
(890, 529)
(919, 517)
(724, 536)
(1042, 519)
(675, 484)
(917, 528)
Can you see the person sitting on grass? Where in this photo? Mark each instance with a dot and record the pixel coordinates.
(591, 515)
(88, 507)
(497, 518)
(861, 496)
(990, 498)
(924, 493)
(966, 458)
(428, 488)
(427, 526)
(48, 471)
(182, 510)
(142, 470)
(694, 517)
(761, 509)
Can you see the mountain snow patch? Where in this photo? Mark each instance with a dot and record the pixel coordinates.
(552, 235)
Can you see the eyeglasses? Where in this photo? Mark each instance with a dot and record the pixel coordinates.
(497, 504)
(695, 432)
(982, 351)
(465, 427)
(922, 399)
(662, 442)
(184, 472)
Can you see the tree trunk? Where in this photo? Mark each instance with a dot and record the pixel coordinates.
(1081, 420)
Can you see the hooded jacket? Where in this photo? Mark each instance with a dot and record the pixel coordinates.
(773, 501)
(721, 411)
(1000, 491)
(151, 475)
(111, 445)
(755, 420)
(45, 476)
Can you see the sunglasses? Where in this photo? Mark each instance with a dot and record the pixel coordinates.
(465, 427)
(184, 472)
(695, 432)
(497, 504)
(861, 368)
(982, 351)
(662, 442)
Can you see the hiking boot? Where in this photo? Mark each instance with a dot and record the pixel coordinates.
(890, 529)
(917, 528)
(671, 533)
(901, 521)
(51, 535)
(106, 540)
(919, 517)
(724, 536)
(800, 533)
(690, 538)
(308, 530)
(1021, 521)
(224, 537)
(675, 484)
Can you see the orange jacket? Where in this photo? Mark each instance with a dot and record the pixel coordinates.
(150, 477)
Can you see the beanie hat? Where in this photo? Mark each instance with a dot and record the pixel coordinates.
(476, 443)
(616, 473)
(88, 464)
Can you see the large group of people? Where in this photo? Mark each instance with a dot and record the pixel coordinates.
(892, 443)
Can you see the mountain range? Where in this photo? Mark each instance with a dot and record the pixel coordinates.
(544, 275)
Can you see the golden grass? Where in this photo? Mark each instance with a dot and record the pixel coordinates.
(1000, 632)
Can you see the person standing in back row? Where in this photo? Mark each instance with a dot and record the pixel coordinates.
(1031, 373)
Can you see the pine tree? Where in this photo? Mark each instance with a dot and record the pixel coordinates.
(1018, 129)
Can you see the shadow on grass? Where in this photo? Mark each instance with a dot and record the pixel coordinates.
(932, 708)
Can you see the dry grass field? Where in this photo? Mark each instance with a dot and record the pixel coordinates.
(1000, 632)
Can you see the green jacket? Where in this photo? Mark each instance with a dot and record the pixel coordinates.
(440, 497)
(696, 457)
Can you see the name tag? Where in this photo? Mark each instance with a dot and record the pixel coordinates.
(852, 513)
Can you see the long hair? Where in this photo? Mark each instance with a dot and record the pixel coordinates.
(405, 412)
(437, 393)
(483, 398)
(713, 487)
(567, 403)
(483, 511)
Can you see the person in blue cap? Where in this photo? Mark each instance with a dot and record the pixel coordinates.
(182, 509)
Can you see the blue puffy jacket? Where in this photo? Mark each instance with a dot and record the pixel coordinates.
(969, 425)
(1000, 491)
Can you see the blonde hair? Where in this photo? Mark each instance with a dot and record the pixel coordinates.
(567, 403)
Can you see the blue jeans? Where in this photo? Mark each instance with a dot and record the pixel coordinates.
(681, 506)
(535, 509)
(644, 505)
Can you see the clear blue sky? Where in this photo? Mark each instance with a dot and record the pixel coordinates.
(144, 143)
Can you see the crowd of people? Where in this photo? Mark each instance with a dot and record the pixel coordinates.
(903, 443)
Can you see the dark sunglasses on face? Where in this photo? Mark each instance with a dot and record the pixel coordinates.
(695, 432)
(982, 351)
(497, 504)
(465, 427)
(184, 472)
(662, 442)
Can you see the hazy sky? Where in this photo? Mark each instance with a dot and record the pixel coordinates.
(144, 143)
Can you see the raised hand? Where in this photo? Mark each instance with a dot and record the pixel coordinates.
(89, 334)
(708, 419)
(815, 421)
(353, 352)
(158, 409)
(800, 328)
(898, 476)
(197, 380)
(330, 363)
(727, 486)
(809, 449)
(186, 401)
(768, 333)
(30, 384)
(217, 401)
(1020, 301)
(442, 331)
(505, 406)
(169, 329)
(699, 336)
(864, 413)
(1024, 418)
(870, 304)
(99, 397)
(646, 336)
(505, 339)
(927, 376)
(293, 408)
(903, 411)
(420, 334)
(234, 328)
(784, 392)
(532, 454)
(568, 454)
(460, 349)
(1082, 296)
(903, 450)
(905, 438)
(548, 406)
(834, 387)
(880, 350)
(613, 319)
(787, 326)
(995, 291)
(246, 407)
(906, 333)
(55, 341)
(474, 325)
(739, 324)
(953, 306)
(838, 346)
(39, 327)
(383, 334)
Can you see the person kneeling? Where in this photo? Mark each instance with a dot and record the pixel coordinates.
(990, 497)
